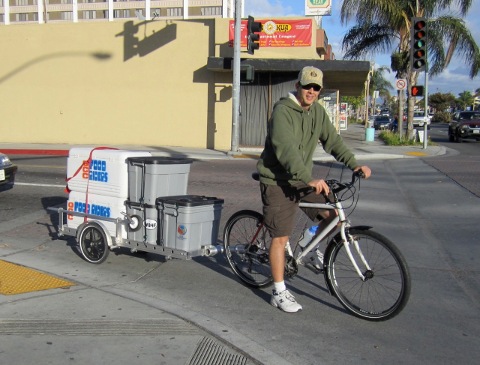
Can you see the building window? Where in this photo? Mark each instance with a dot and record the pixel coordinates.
(211, 11)
(174, 12)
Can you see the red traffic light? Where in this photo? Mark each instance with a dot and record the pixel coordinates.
(417, 90)
(418, 44)
(419, 24)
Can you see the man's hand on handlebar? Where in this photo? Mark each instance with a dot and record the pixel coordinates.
(320, 186)
(364, 171)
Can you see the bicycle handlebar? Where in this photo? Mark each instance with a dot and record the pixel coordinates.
(335, 185)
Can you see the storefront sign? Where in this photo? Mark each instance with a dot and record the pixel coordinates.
(318, 7)
(277, 33)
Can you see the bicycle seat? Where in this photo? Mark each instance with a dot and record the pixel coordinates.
(256, 176)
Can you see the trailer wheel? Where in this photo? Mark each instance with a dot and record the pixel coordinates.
(93, 243)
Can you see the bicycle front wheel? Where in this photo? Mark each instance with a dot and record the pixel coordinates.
(383, 291)
(247, 242)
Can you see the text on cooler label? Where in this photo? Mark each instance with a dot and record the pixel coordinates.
(94, 209)
(95, 171)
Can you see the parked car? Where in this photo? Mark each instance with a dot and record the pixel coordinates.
(464, 128)
(419, 119)
(7, 172)
(381, 122)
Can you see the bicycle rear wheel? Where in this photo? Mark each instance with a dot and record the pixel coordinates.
(386, 288)
(247, 242)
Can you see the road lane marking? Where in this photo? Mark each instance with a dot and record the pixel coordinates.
(43, 185)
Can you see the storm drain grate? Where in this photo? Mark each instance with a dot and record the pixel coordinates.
(210, 352)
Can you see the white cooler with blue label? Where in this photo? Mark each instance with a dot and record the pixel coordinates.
(189, 222)
(100, 170)
(97, 207)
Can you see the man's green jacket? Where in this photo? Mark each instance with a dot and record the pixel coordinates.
(292, 137)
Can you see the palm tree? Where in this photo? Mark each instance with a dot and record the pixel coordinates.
(379, 83)
(384, 25)
(465, 99)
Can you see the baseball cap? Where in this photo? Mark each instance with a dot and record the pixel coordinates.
(310, 75)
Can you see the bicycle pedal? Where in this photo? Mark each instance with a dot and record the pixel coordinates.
(315, 268)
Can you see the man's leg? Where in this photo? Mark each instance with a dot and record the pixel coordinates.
(281, 297)
(277, 258)
(279, 214)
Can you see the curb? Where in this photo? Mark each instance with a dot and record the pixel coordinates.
(37, 152)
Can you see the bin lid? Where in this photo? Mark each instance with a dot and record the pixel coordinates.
(159, 160)
(188, 200)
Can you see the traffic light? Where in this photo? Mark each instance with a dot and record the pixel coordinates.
(418, 44)
(247, 74)
(253, 38)
(417, 90)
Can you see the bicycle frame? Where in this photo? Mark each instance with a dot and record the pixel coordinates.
(344, 224)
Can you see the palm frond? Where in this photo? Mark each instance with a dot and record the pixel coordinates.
(371, 38)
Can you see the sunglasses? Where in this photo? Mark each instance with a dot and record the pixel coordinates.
(309, 86)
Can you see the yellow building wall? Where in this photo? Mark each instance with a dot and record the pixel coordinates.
(120, 83)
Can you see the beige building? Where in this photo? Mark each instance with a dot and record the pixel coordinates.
(147, 78)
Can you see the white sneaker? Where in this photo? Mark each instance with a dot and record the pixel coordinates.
(285, 301)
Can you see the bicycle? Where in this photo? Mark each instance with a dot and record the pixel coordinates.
(363, 269)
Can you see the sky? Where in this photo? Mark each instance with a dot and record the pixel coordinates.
(454, 79)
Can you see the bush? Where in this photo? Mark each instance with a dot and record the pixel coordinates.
(442, 117)
(393, 139)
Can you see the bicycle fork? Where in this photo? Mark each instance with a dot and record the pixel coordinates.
(347, 242)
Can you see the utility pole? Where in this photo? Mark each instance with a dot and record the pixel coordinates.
(236, 77)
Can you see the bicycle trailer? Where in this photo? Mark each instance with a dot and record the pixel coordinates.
(120, 198)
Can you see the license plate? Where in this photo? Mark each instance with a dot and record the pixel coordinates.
(2, 174)
(476, 131)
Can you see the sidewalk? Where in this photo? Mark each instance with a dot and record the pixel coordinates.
(354, 137)
(118, 322)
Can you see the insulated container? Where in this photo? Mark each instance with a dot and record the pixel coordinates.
(99, 170)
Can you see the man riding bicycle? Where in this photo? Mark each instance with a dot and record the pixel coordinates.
(297, 124)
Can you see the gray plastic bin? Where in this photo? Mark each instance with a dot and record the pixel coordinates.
(144, 226)
(189, 221)
(151, 177)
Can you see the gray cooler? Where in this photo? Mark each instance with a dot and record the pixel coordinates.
(189, 222)
(151, 176)
(144, 225)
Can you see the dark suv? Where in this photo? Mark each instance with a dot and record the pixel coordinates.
(464, 125)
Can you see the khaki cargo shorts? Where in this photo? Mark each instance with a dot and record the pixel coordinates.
(280, 204)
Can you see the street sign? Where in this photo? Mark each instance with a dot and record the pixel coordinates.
(401, 84)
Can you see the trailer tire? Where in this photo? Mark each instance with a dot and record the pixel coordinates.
(94, 243)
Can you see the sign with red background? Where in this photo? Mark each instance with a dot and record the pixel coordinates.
(277, 33)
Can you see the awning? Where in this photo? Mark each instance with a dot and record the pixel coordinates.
(346, 76)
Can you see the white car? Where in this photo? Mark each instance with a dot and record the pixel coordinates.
(419, 119)
(7, 172)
